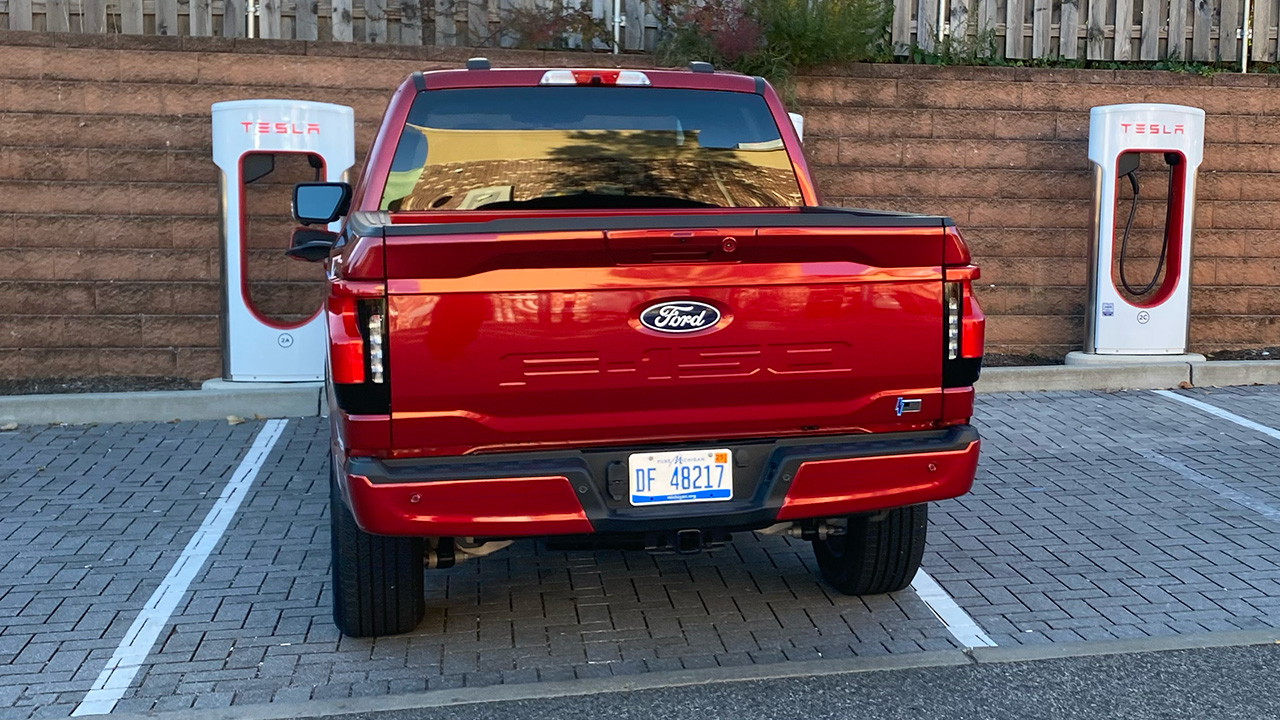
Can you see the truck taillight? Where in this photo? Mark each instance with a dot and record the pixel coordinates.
(346, 342)
(973, 324)
(953, 297)
(964, 326)
(377, 371)
(358, 348)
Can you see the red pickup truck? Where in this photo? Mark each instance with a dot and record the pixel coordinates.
(607, 305)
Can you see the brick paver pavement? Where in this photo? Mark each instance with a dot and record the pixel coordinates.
(1095, 516)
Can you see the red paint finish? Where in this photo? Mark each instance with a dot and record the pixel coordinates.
(957, 406)
(362, 260)
(833, 488)
(956, 252)
(795, 149)
(973, 323)
(531, 340)
(346, 346)
(373, 178)
(524, 77)
(360, 435)
(501, 507)
(525, 341)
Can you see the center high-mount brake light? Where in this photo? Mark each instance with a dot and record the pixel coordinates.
(633, 78)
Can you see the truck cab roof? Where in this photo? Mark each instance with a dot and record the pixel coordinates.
(629, 77)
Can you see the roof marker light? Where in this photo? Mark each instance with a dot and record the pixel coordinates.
(558, 77)
(595, 77)
(633, 77)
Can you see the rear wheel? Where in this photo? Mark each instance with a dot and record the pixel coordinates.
(377, 580)
(879, 553)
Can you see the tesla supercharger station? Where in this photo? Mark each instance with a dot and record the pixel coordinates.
(1149, 315)
(247, 135)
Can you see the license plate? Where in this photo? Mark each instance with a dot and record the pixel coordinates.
(687, 476)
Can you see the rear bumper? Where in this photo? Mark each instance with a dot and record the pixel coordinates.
(585, 492)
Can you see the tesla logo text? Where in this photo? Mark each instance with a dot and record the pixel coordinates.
(682, 316)
(662, 364)
(1153, 129)
(280, 128)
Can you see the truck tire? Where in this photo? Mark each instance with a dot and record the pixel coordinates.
(377, 580)
(879, 553)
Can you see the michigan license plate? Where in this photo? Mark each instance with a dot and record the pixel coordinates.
(687, 476)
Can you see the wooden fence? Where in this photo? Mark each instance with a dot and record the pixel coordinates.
(472, 23)
(1119, 30)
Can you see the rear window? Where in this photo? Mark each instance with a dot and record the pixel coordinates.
(588, 147)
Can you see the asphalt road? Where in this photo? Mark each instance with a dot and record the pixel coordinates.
(1216, 683)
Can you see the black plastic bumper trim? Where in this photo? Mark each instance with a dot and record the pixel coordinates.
(962, 372)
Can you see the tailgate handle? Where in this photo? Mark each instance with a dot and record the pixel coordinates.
(671, 245)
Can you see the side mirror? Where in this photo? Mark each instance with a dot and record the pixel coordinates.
(797, 122)
(320, 203)
(311, 245)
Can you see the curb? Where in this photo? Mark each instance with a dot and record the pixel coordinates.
(1235, 372)
(220, 399)
(1129, 376)
(215, 402)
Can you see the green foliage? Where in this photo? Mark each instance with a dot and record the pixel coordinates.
(984, 49)
(804, 34)
(1182, 66)
(772, 38)
(981, 49)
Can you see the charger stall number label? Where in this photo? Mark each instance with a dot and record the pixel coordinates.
(686, 476)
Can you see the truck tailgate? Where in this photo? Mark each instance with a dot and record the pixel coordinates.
(527, 340)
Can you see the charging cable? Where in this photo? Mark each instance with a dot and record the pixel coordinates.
(1124, 242)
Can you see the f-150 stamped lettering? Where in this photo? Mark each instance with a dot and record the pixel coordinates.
(680, 363)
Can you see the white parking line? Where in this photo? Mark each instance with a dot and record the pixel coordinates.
(1219, 412)
(957, 621)
(1218, 487)
(133, 649)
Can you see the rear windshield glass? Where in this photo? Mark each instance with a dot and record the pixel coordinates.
(588, 147)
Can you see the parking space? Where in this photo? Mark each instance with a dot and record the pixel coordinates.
(1095, 516)
(1101, 516)
(91, 518)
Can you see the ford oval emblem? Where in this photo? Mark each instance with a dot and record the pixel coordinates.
(679, 316)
